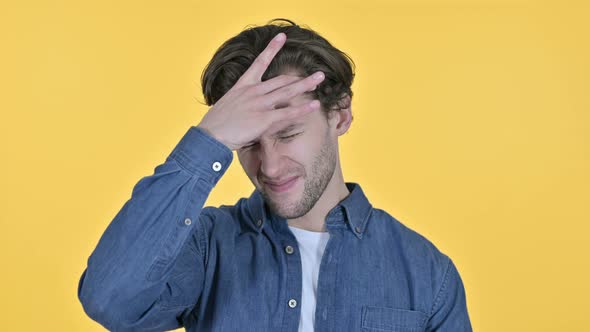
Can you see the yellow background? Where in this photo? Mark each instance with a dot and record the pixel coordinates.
(471, 126)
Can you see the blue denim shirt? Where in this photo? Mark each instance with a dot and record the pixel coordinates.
(165, 261)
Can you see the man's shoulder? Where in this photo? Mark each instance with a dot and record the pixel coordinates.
(407, 241)
(233, 214)
(221, 211)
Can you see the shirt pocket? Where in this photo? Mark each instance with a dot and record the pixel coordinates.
(390, 319)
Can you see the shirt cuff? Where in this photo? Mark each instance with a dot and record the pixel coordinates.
(202, 155)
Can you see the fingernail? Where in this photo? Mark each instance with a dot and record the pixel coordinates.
(318, 75)
(280, 37)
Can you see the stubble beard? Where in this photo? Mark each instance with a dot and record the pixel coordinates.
(322, 170)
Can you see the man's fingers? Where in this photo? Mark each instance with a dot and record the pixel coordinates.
(275, 83)
(293, 112)
(292, 90)
(254, 73)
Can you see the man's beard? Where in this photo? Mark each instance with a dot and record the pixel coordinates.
(322, 170)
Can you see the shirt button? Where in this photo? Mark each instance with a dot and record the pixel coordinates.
(187, 221)
(258, 222)
(357, 229)
(292, 303)
(216, 166)
(289, 250)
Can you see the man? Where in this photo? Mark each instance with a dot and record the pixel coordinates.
(306, 251)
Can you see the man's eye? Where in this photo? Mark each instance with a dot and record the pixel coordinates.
(284, 138)
(290, 136)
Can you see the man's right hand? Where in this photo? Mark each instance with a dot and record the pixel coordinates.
(247, 110)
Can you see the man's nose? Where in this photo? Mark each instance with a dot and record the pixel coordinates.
(270, 161)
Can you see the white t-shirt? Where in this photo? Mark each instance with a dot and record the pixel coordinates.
(311, 248)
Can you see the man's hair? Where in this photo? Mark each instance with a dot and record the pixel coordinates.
(304, 53)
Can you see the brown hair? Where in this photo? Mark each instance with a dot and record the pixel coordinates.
(304, 52)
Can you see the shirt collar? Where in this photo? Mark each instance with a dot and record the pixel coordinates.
(353, 210)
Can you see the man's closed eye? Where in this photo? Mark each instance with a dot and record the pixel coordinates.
(284, 138)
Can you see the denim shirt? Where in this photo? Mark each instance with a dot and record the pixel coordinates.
(165, 261)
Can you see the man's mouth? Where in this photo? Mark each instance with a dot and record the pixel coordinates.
(282, 186)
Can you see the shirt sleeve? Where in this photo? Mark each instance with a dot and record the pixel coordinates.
(449, 312)
(147, 270)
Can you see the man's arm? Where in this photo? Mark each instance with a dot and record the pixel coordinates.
(449, 312)
(147, 270)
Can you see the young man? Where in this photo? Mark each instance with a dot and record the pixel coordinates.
(306, 251)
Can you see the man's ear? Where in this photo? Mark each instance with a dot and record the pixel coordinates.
(341, 119)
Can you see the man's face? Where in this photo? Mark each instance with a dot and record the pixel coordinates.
(307, 151)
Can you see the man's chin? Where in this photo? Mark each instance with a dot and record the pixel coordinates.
(280, 206)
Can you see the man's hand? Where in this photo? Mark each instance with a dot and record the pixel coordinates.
(247, 110)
